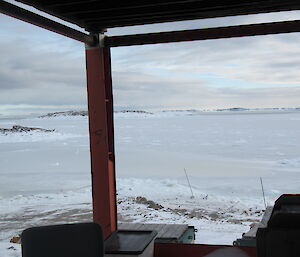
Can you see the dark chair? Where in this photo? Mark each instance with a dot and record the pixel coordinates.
(281, 236)
(68, 240)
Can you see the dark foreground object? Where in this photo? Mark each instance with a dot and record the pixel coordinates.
(128, 242)
(166, 233)
(281, 237)
(201, 250)
(70, 240)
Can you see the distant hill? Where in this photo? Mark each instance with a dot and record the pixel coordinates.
(134, 111)
(85, 113)
(235, 109)
(170, 112)
(66, 113)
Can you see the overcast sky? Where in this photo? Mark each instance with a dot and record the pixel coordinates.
(41, 71)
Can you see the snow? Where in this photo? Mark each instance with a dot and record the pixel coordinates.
(45, 177)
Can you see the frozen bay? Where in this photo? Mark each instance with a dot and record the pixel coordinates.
(224, 153)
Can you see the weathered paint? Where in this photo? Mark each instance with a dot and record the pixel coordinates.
(100, 108)
(199, 250)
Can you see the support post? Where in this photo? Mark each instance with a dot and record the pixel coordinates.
(100, 107)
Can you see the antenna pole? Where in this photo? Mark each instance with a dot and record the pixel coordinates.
(187, 178)
(263, 192)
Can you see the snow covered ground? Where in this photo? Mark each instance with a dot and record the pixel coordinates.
(44, 177)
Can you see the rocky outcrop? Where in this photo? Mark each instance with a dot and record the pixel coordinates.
(150, 204)
(18, 128)
(134, 111)
(85, 113)
(67, 113)
(15, 240)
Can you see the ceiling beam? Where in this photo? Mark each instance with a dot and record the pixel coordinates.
(205, 34)
(40, 21)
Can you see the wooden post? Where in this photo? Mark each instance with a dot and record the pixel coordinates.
(100, 107)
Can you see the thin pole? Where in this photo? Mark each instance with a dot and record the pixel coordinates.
(187, 178)
(263, 192)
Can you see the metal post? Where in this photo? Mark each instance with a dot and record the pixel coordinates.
(100, 108)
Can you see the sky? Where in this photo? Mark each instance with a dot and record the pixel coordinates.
(41, 71)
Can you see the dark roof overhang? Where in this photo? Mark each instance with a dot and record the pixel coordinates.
(95, 16)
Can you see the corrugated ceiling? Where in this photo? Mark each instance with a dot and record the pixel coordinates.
(96, 15)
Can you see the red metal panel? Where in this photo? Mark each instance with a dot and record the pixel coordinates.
(197, 250)
(100, 108)
(110, 127)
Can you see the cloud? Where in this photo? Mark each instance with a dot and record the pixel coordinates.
(41, 68)
(180, 91)
(265, 59)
